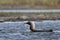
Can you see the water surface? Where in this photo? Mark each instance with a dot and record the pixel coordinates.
(53, 10)
(21, 31)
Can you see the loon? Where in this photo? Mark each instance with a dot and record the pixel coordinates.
(32, 27)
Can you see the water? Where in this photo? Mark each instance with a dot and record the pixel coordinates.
(54, 10)
(20, 31)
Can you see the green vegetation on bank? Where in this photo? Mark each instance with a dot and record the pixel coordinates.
(31, 2)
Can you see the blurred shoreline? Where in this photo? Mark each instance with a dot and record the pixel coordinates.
(29, 4)
(27, 7)
(29, 16)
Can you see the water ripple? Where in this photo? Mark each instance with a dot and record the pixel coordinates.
(21, 31)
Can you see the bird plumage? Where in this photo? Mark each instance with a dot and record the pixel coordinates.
(32, 27)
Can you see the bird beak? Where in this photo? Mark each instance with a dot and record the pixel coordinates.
(25, 23)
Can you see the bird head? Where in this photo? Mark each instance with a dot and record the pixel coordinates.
(29, 23)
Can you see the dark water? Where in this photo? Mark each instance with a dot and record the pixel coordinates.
(20, 31)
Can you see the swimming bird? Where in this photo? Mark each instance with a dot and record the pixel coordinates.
(32, 27)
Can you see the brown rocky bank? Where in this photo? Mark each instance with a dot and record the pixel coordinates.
(29, 16)
(27, 7)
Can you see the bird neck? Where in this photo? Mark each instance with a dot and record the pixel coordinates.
(32, 26)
